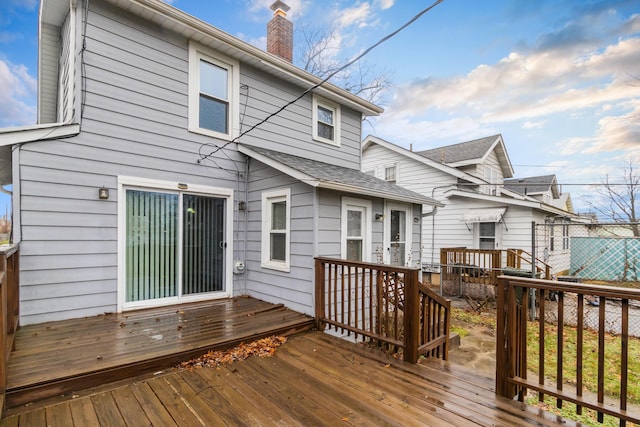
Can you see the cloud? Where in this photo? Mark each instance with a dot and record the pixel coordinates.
(525, 87)
(17, 89)
(385, 4)
(618, 132)
(357, 15)
(533, 125)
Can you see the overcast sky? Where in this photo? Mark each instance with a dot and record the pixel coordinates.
(559, 79)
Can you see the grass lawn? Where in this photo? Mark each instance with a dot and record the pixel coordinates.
(590, 363)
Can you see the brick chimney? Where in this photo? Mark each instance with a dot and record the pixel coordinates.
(280, 32)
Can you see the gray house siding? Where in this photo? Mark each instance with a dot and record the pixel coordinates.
(293, 288)
(134, 121)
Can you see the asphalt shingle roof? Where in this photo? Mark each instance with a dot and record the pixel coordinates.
(358, 180)
(532, 184)
(460, 152)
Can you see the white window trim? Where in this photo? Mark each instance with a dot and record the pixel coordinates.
(269, 197)
(347, 203)
(196, 53)
(318, 101)
(396, 166)
(125, 182)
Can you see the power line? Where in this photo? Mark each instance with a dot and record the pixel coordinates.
(326, 79)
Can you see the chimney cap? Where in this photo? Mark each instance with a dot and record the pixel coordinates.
(278, 4)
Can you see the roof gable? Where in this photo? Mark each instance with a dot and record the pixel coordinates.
(371, 140)
(160, 13)
(472, 153)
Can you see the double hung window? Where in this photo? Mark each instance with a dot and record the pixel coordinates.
(213, 93)
(276, 208)
(356, 229)
(326, 121)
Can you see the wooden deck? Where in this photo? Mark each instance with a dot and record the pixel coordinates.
(58, 357)
(312, 380)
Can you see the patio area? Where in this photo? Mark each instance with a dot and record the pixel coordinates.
(55, 358)
(313, 379)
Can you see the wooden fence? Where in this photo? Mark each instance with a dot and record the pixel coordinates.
(383, 305)
(577, 311)
(9, 311)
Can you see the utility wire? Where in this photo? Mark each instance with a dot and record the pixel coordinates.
(317, 85)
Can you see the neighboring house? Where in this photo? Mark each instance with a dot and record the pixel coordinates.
(152, 177)
(470, 179)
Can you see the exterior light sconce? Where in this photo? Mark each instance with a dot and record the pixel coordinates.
(242, 205)
(103, 193)
(379, 217)
(416, 220)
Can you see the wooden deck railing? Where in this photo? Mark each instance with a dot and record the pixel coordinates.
(381, 304)
(485, 265)
(519, 258)
(9, 311)
(475, 265)
(577, 315)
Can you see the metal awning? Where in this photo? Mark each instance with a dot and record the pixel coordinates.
(483, 215)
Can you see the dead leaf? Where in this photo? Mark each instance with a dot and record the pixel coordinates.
(262, 348)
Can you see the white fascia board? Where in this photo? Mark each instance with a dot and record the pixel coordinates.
(373, 193)
(370, 140)
(25, 134)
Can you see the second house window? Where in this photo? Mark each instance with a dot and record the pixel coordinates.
(326, 121)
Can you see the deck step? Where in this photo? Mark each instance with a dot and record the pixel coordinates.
(59, 358)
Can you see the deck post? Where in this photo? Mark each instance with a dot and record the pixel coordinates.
(319, 290)
(503, 359)
(411, 316)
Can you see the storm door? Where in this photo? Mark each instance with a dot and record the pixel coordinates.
(397, 234)
(174, 245)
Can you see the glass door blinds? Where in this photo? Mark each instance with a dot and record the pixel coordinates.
(175, 245)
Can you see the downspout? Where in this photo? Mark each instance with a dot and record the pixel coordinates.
(246, 222)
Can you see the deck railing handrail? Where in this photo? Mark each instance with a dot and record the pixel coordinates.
(515, 258)
(382, 304)
(514, 297)
(9, 311)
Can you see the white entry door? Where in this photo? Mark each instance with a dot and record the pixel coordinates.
(397, 234)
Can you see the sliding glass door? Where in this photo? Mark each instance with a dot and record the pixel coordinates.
(174, 245)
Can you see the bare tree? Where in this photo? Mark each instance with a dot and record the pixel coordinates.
(318, 50)
(620, 200)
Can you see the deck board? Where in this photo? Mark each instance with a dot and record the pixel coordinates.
(313, 379)
(59, 357)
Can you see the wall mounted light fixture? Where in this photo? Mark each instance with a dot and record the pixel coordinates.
(103, 193)
(379, 216)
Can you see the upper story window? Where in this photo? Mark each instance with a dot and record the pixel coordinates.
(276, 208)
(326, 121)
(391, 173)
(213, 93)
(491, 176)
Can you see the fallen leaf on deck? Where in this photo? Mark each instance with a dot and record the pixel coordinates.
(262, 348)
